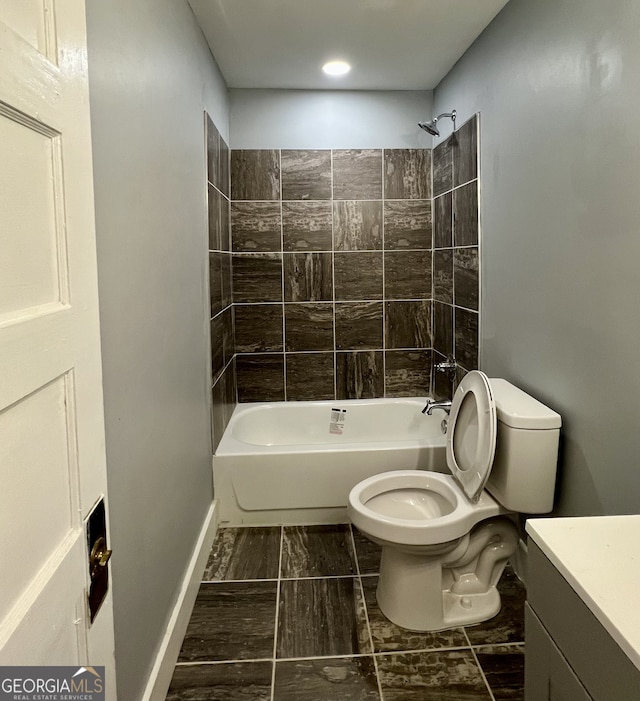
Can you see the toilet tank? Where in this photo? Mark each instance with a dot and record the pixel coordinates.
(523, 475)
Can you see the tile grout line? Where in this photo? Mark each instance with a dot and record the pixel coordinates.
(282, 273)
(366, 612)
(477, 661)
(333, 285)
(384, 292)
(275, 635)
(383, 653)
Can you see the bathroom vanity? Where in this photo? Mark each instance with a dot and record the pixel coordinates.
(582, 617)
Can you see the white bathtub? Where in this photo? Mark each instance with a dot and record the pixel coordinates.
(295, 462)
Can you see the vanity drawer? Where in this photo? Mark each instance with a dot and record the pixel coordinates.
(598, 661)
(548, 676)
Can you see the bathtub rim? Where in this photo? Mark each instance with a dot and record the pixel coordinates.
(231, 446)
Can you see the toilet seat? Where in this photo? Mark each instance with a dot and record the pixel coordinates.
(454, 522)
(471, 436)
(453, 504)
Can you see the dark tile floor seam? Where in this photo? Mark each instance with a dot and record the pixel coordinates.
(421, 650)
(478, 646)
(331, 576)
(199, 663)
(346, 656)
(275, 636)
(237, 581)
(366, 612)
(477, 661)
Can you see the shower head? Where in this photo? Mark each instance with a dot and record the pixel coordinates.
(431, 127)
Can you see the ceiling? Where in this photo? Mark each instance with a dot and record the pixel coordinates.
(391, 44)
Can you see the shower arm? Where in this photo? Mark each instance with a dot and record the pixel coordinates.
(452, 115)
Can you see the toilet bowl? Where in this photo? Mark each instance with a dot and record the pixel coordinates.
(445, 538)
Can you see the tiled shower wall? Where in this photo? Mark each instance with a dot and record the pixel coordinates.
(341, 287)
(456, 254)
(332, 255)
(223, 391)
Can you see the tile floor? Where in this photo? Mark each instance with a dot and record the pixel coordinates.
(289, 614)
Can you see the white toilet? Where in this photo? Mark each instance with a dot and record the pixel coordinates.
(446, 538)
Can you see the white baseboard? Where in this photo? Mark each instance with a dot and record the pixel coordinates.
(162, 671)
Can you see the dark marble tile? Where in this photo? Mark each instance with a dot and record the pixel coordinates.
(441, 383)
(357, 174)
(503, 667)
(306, 175)
(508, 625)
(465, 215)
(228, 343)
(443, 275)
(308, 326)
(453, 675)
(465, 152)
(231, 621)
(408, 324)
(443, 221)
(335, 679)
(407, 274)
(230, 391)
(244, 553)
(216, 329)
(358, 325)
(357, 226)
(223, 399)
(357, 275)
(255, 226)
(308, 277)
(223, 168)
(307, 226)
(317, 551)
(443, 167)
(407, 224)
(407, 373)
(255, 174)
(225, 274)
(388, 637)
(466, 338)
(260, 378)
(258, 327)
(213, 150)
(359, 375)
(216, 204)
(465, 277)
(332, 615)
(460, 373)
(215, 282)
(232, 681)
(443, 328)
(367, 552)
(257, 277)
(310, 376)
(407, 174)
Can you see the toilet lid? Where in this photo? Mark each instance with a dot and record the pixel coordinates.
(471, 435)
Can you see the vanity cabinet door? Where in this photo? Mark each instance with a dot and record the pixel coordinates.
(548, 676)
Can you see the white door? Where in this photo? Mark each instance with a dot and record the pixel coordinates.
(52, 454)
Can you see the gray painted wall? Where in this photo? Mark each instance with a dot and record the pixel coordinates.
(152, 76)
(300, 119)
(556, 83)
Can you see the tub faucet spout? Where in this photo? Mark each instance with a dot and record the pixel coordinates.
(430, 406)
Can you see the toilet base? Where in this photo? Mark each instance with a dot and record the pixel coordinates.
(434, 591)
(410, 594)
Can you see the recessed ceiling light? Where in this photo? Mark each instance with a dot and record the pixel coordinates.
(336, 68)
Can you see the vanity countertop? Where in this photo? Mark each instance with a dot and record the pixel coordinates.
(600, 558)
